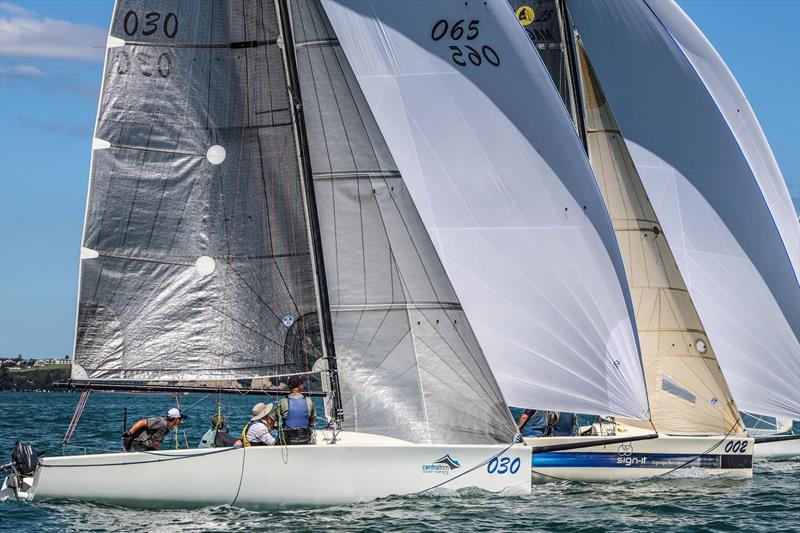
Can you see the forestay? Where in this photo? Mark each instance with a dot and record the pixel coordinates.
(726, 243)
(501, 182)
(409, 364)
(196, 260)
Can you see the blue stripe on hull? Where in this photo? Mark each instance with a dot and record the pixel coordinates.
(615, 460)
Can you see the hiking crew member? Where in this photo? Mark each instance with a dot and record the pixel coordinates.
(148, 433)
(257, 431)
(296, 414)
(217, 437)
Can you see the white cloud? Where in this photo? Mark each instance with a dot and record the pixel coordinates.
(24, 33)
(22, 71)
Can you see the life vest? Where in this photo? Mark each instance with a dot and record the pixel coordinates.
(246, 442)
(297, 413)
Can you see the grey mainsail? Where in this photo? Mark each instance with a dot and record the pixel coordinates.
(202, 253)
(410, 366)
(196, 261)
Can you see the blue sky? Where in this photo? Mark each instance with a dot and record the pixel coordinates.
(50, 71)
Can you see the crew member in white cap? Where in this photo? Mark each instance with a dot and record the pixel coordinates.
(148, 433)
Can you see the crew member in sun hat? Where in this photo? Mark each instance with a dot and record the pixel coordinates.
(148, 433)
(257, 432)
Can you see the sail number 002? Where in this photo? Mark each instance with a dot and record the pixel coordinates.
(469, 54)
(502, 465)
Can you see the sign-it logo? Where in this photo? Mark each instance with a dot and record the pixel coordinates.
(443, 465)
(624, 456)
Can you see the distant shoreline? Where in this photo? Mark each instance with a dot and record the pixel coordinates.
(38, 378)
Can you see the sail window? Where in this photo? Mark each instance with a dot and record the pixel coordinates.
(215, 154)
(205, 265)
(671, 386)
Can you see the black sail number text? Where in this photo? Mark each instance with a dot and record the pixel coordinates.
(144, 64)
(150, 23)
(465, 54)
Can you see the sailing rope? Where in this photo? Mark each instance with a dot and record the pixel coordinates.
(76, 416)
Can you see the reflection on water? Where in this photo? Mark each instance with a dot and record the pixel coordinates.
(768, 502)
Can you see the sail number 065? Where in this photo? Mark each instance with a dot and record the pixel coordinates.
(502, 465)
(473, 54)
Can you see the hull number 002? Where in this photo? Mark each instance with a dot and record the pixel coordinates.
(736, 446)
(503, 465)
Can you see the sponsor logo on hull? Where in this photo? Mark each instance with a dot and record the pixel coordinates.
(638, 460)
(443, 465)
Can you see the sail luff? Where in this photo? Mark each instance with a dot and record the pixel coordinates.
(75, 371)
(314, 235)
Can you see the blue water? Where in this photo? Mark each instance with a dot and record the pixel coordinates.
(768, 502)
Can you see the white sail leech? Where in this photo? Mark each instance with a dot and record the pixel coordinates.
(696, 173)
(739, 115)
(531, 253)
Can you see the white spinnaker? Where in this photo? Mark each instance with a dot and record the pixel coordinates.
(741, 119)
(712, 210)
(506, 192)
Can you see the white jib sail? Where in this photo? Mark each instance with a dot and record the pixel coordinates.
(741, 119)
(712, 209)
(504, 188)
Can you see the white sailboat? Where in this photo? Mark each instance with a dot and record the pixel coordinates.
(246, 222)
(715, 187)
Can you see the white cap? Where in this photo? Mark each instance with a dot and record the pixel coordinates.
(175, 413)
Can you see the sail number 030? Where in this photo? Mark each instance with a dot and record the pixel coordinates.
(502, 465)
(150, 24)
(469, 54)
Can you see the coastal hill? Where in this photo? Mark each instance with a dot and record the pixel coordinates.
(32, 374)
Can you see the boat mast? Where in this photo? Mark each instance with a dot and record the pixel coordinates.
(284, 23)
(573, 76)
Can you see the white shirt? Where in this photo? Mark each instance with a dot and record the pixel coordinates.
(259, 432)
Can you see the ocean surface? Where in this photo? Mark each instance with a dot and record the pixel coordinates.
(768, 502)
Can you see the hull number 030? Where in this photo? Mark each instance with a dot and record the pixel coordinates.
(736, 446)
(503, 465)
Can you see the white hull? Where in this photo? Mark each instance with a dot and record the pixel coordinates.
(696, 456)
(358, 467)
(777, 451)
